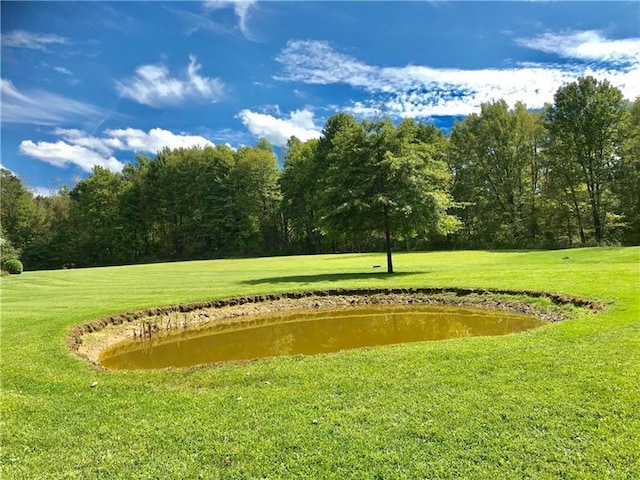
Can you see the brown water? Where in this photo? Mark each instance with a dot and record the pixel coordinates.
(311, 332)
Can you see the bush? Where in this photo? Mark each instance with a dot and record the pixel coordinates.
(13, 266)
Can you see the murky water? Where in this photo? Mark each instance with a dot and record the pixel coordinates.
(311, 332)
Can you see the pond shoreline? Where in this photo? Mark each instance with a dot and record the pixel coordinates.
(89, 339)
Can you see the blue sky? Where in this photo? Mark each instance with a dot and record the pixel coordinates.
(94, 83)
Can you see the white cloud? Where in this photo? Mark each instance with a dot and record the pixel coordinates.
(585, 45)
(82, 139)
(154, 86)
(364, 109)
(43, 108)
(64, 71)
(422, 91)
(35, 41)
(79, 148)
(278, 131)
(242, 9)
(131, 139)
(61, 154)
(153, 141)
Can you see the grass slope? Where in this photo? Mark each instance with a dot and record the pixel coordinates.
(561, 401)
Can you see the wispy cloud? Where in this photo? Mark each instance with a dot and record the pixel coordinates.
(63, 70)
(114, 18)
(197, 21)
(43, 108)
(153, 85)
(229, 136)
(423, 91)
(32, 40)
(77, 147)
(242, 9)
(586, 45)
(278, 130)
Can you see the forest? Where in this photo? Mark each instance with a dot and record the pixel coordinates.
(503, 178)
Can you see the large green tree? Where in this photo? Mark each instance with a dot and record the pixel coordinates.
(136, 211)
(94, 219)
(299, 186)
(627, 175)
(189, 193)
(585, 127)
(52, 241)
(383, 180)
(495, 158)
(255, 196)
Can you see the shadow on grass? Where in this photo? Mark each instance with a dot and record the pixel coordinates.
(329, 277)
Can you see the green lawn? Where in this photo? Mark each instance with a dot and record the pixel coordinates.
(559, 402)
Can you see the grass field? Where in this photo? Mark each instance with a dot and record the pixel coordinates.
(559, 402)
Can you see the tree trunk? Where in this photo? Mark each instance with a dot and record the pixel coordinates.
(583, 238)
(387, 238)
(597, 225)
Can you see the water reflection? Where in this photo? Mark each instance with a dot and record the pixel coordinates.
(312, 332)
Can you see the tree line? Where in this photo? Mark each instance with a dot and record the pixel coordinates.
(568, 175)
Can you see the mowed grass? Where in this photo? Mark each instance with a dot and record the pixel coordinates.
(558, 402)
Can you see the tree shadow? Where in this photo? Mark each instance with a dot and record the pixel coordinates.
(329, 277)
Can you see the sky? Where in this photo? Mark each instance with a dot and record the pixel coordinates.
(96, 83)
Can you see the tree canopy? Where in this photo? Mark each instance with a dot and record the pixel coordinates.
(383, 180)
(585, 132)
(501, 178)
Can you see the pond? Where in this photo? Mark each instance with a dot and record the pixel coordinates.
(310, 333)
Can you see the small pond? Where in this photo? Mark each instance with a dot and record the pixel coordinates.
(311, 332)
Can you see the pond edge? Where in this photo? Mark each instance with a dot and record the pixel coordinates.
(428, 295)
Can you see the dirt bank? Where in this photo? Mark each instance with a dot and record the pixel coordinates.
(89, 339)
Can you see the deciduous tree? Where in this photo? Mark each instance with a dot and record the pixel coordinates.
(584, 125)
(495, 159)
(382, 180)
(299, 186)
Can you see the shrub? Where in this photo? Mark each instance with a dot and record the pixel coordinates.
(13, 266)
